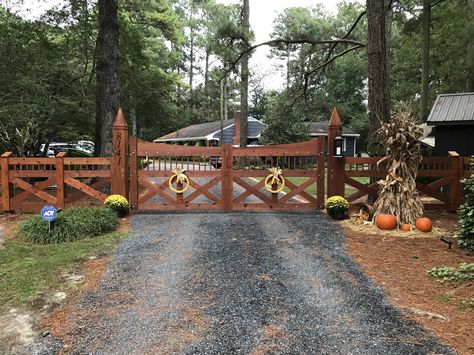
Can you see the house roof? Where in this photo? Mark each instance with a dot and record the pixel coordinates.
(321, 128)
(204, 130)
(452, 109)
(196, 131)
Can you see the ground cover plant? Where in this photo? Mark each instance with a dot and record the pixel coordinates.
(70, 225)
(27, 270)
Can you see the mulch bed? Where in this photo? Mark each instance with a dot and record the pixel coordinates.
(398, 262)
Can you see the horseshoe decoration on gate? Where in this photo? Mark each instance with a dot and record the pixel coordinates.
(275, 178)
(181, 178)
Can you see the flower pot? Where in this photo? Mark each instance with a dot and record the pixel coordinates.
(386, 221)
(337, 214)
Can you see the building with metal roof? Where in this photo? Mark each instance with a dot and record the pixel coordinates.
(452, 117)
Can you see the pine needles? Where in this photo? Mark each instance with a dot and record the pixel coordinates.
(397, 193)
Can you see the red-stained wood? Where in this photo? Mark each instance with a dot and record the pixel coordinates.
(299, 191)
(252, 189)
(60, 191)
(335, 182)
(133, 194)
(33, 190)
(204, 189)
(277, 207)
(158, 189)
(180, 207)
(248, 193)
(6, 186)
(32, 161)
(78, 195)
(32, 173)
(22, 196)
(303, 149)
(85, 189)
(189, 173)
(164, 150)
(320, 172)
(106, 162)
(87, 173)
(265, 172)
(119, 165)
(226, 170)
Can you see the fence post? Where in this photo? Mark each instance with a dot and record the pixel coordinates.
(455, 194)
(6, 186)
(133, 197)
(320, 172)
(227, 182)
(60, 193)
(335, 165)
(119, 169)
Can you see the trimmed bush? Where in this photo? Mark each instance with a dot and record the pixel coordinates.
(71, 224)
(118, 203)
(466, 216)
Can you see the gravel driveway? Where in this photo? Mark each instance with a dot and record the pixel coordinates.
(250, 283)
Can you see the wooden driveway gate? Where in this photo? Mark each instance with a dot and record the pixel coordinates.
(226, 178)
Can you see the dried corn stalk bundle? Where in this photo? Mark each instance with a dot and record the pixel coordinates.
(397, 192)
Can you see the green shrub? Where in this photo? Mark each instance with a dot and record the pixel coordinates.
(71, 224)
(118, 203)
(444, 274)
(466, 216)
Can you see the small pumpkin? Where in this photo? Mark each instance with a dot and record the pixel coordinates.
(424, 224)
(386, 221)
(405, 227)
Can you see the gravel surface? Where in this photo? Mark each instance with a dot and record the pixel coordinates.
(240, 283)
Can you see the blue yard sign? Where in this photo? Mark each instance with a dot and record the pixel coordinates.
(49, 213)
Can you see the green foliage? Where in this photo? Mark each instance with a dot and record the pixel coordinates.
(284, 124)
(466, 217)
(464, 273)
(467, 303)
(28, 270)
(118, 203)
(70, 225)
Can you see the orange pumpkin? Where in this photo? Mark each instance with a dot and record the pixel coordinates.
(386, 221)
(405, 227)
(424, 224)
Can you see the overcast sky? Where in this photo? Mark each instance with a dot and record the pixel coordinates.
(262, 14)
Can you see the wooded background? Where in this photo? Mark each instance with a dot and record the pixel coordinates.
(172, 63)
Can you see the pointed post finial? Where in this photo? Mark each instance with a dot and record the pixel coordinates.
(120, 121)
(335, 120)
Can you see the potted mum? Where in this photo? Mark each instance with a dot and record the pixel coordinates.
(337, 207)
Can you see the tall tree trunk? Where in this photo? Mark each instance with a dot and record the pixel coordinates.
(226, 99)
(425, 70)
(206, 72)
(108, 84)
(470, 48)
(388, 43)
(244, 78)
(133, 118)
(191, 61)
(378, 96)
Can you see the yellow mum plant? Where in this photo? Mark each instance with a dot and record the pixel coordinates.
(118, 203)
(337, 206)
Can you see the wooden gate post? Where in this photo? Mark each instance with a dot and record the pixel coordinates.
(455, 195)
(227, 157)
(335, 165)
(119, 169)
(321, 174)
(60, 192)
(133, 198)
(6, 186)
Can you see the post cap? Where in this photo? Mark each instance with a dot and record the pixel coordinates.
(120, 121)
(335, 121)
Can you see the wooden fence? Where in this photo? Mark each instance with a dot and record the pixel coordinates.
(26, 184)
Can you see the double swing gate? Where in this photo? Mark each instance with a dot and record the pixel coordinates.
(279, 177)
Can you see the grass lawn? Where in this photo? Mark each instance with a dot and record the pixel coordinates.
(28, 270)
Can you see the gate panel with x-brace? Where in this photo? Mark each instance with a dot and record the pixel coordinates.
(280, 177)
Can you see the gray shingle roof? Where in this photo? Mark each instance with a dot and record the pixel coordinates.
(199, 131)
(452, 109)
